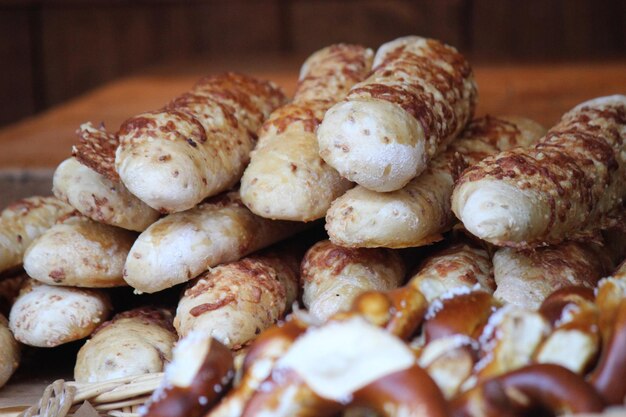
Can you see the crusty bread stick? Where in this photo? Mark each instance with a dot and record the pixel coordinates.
(181, 246)
(568, 186)
(286, 178)
(47, 316)
(134, 342)
(333, 276)
(526, 277)
(198, 145)
(80, 253)
(99, 198)
(420, 212)
(461, 265)
(236, 301)
(419, 96)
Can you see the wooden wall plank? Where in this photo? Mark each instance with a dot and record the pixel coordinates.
(315, 24)
(16, 86)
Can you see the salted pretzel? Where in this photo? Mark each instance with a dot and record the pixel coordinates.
(508, 341)
(449, 347)
(610, 295)
(575, 338)
(258, 365)
(537, 387)
(380, 375)
(199, 374)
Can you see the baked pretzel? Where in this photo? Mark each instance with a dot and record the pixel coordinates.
(380, 375)
(537, 387)
(508, 341)
(609, 375)
(200, 373)
(258, 365)
(575, 338)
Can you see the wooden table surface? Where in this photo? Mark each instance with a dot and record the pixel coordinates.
(542, 92)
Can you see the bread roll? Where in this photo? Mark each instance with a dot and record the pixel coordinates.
(419, 96)
(462, 265)
(80, 253)
(22, 222)
(134, 342)
(9, 352)
(333, 276)
(180, 246)
(198, 145)
(568, 186)
(100, 198)
(286, 178)
(418, 213)
(47, 316)
(526, 277)
(234, 302)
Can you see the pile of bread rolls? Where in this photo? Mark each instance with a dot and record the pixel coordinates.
(462, 273)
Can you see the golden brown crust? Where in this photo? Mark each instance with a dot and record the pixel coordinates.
(198, 145)
(96, 149)
(439, 66)
(235, 302)
(573, 174)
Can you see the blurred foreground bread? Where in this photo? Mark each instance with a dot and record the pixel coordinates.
(22, 222)
(420, 212)
(235, 302)
(333, 276)
(181, 246)
(286, 178)
(134, 342)
(9, 352)
(198, 145)
(80, 253)
(200, 373)
(568, 186)
(48, 316)
(419, 96)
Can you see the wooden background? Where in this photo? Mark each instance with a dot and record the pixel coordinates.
(51, 50)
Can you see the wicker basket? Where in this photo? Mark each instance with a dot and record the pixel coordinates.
(120, 397)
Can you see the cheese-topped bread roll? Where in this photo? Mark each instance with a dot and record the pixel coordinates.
(181, 246)
(100, 198)
(134, 342)
(568, 186)
(333, 276)
(198, 145)
(236, 301)
(419, 212)
(286, 178)
(9, 352)
(47, 316)
(462, 265)
(22, 222)
(419, 96)
(80, 253)
(526, 277)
